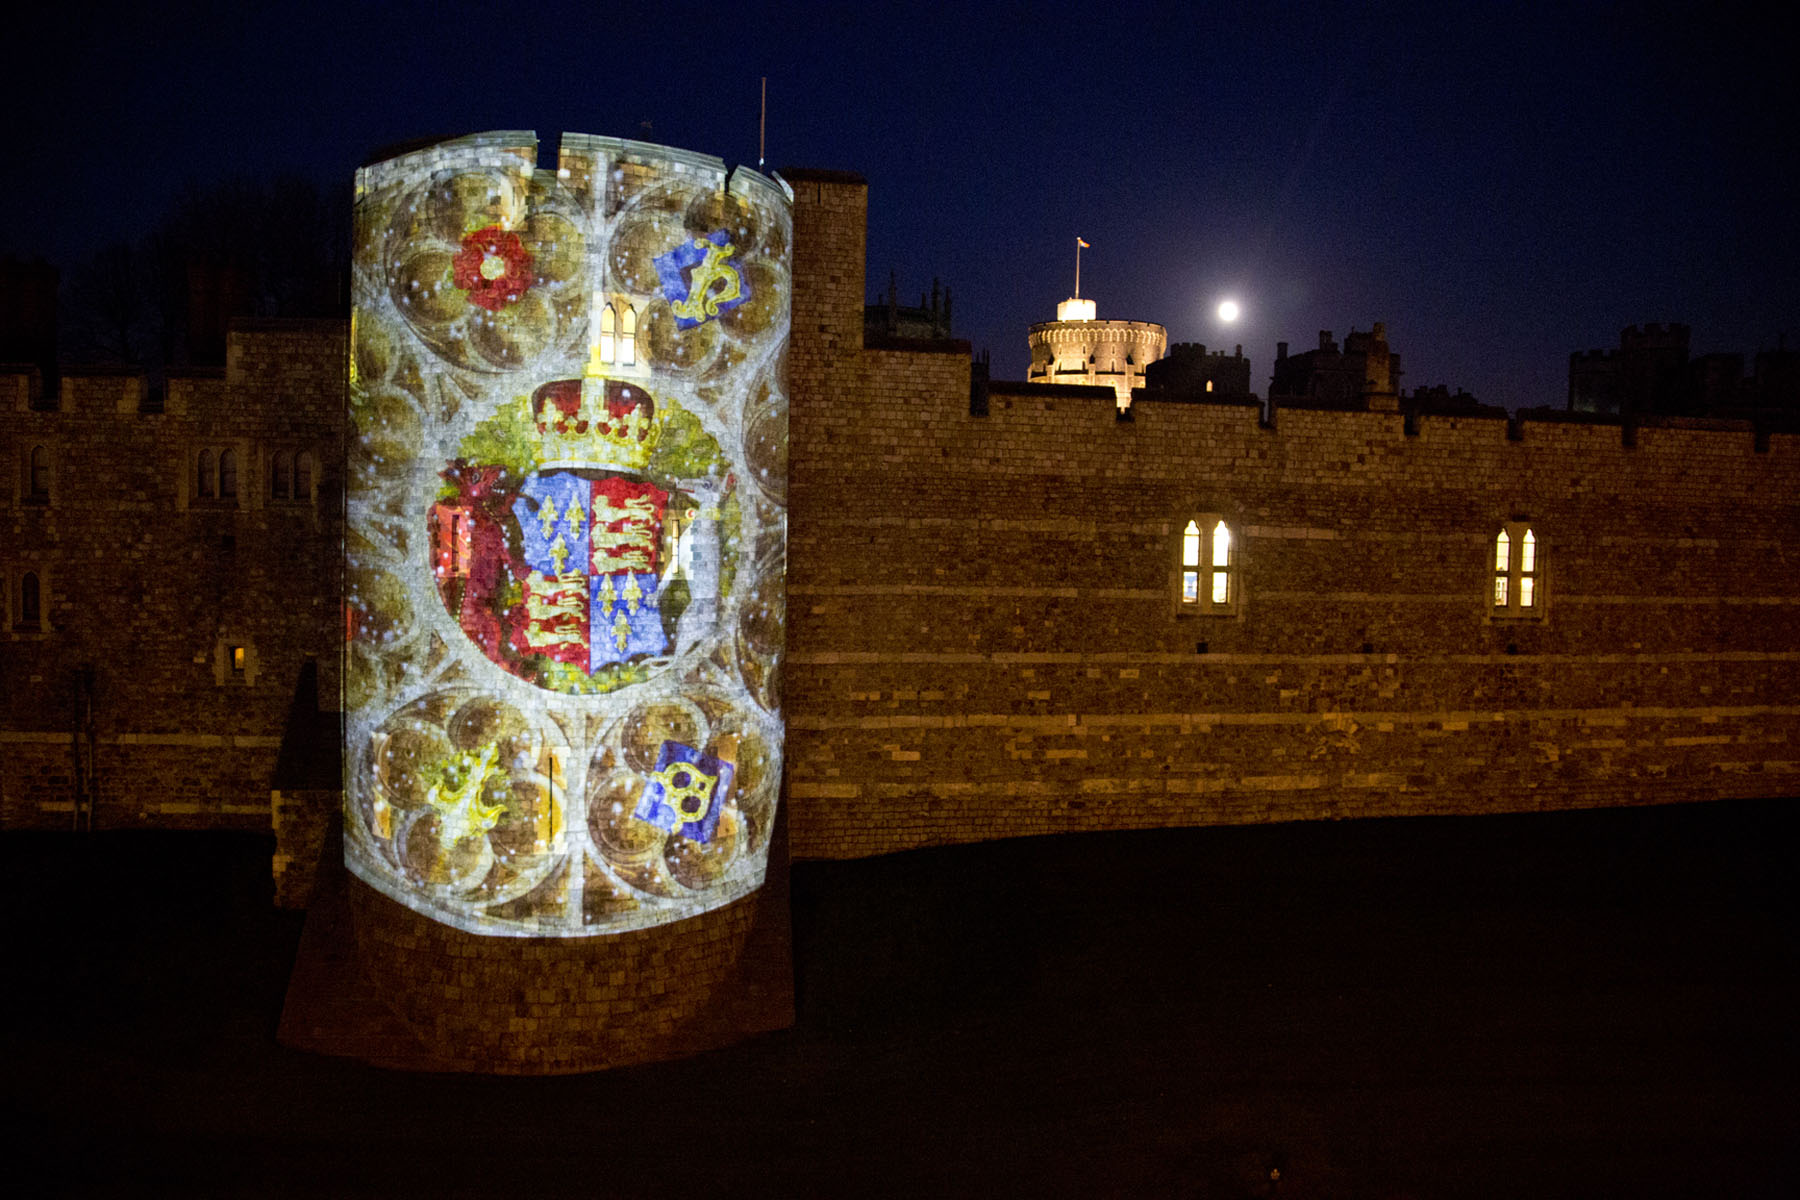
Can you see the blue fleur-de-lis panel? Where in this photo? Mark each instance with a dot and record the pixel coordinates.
(591, 551)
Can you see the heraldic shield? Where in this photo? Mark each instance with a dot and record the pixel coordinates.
(566, 534)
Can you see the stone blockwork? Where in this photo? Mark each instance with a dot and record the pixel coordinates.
(300, 819)
(124, 697)
(553, 1005)
(984, 638)
(983, 634)
(984, 641)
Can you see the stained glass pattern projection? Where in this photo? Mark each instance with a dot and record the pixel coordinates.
(566, 533)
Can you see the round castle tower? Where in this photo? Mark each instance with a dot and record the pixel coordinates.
(1077, 348)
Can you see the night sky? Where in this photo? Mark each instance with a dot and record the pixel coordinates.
(1500, 189)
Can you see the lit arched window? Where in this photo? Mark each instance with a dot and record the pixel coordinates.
(227, 474)
(281, 476)
(1208, 577)
(609, 331)
(205, 481)
(38, 484)
(628, 337)
(1518, 574)
(303, 476)
(31, 601)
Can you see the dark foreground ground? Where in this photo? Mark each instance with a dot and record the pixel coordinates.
(1576, 1004)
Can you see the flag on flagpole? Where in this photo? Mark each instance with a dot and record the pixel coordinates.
(1083, 244)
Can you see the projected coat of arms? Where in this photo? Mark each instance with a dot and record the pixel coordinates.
(566, 533)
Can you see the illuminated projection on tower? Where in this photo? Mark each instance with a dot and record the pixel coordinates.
(566, 533)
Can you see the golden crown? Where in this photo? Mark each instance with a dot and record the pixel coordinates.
(603, 424)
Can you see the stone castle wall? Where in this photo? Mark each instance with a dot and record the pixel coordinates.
(983, 637)
(151, 586)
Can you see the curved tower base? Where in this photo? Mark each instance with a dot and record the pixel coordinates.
(375, 981)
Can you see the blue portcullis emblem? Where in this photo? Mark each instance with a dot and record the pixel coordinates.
(686, 792)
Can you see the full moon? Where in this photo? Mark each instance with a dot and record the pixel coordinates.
(1228, 310)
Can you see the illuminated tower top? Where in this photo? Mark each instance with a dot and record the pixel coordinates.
(1079, 348)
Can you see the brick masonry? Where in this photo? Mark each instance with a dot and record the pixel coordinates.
(983, 637)
(150, 585)
(555, 1005)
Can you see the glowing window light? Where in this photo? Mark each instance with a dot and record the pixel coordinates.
(1206, 565)
(1516, 570)
(1527, 565)
(609, 329)
(628, 337)
(1190, 561)
(1221, 561)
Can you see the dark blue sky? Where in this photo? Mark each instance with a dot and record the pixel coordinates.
(1499, 188)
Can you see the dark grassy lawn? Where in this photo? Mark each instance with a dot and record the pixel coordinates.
(1575, 1004)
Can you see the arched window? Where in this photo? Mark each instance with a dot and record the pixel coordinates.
(205, 481)
(628, 337)
(38, 485)
(609, 331)
(31, 600)
(1208, 576)
(227, 474)
(303, 476)
(1518, 562)
(281, 476)
(1221, 563)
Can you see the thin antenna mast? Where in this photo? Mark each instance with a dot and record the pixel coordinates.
(762, 125)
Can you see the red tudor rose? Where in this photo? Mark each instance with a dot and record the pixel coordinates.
(494, 267)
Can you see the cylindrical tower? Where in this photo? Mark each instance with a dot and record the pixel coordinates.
(565, 524)
(1077, 348)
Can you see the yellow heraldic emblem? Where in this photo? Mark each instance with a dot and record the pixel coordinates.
(687, 789)
(457, 796)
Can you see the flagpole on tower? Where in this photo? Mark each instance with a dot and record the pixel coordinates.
(1079, 246)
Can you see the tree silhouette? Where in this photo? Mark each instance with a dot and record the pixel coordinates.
(242, 248)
